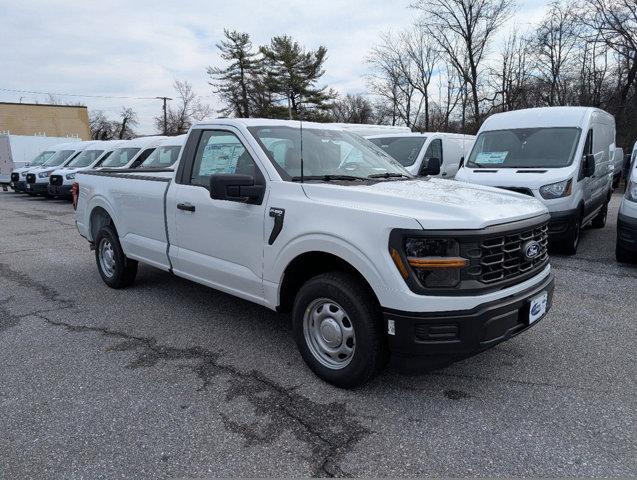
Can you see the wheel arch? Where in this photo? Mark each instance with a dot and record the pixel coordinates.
(309, 264)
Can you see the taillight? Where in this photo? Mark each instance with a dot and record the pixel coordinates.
(75, 192)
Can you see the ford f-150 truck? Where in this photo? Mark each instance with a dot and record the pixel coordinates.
(319, 222)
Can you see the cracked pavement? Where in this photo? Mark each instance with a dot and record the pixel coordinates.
(172, 379)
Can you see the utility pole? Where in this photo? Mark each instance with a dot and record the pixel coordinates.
(165, 115)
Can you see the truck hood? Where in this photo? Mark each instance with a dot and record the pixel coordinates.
(434, 203)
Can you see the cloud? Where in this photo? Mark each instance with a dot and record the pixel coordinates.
(137, 48)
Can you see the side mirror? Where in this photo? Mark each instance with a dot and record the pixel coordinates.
(431, 168)
(236, 188)
(27, 164)
(589, 165)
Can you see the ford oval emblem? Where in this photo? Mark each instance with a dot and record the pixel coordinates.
(531, 249)
(536, 309)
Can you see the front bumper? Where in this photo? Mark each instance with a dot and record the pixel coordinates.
(37, 188)
(59, 190)
(562, 224)
(627, 232)
(438, 338)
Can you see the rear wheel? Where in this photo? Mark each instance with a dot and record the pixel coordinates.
(338, 327)
(115, 268)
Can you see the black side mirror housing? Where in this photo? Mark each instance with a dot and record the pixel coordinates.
(589, 165)
(234, 187)
(431, 168)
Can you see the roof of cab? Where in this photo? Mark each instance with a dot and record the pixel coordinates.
(266, 122)
(176, 141)
(143, 142)
(540, 117)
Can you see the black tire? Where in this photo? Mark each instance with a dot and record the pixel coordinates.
(624, 256)
(572, 241)
(600, 219)
(123, 270)
(370, 352)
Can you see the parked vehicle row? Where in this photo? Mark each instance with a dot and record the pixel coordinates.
(370, 248)
(626, 247)
(52, 172)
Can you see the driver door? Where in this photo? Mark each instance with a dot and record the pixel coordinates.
(218, 242)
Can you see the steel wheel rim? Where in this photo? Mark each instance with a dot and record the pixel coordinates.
(107, 258)
(329, 333)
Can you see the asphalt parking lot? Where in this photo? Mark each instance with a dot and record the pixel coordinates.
(172, 379)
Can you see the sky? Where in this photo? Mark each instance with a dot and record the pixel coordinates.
(137, 48)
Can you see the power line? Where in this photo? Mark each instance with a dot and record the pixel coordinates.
(75, 94)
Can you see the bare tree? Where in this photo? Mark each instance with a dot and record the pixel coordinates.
(352, 109)
(127, 120)
(464, 30)
(511, 82)
(189, 109)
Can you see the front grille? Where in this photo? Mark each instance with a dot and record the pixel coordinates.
(30, 177)
(56, 180)
(15, 177)
(502, 257)
(522, 190)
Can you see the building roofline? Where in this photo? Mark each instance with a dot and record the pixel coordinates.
(42, 105)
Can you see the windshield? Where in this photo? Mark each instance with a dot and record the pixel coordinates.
(120, 157)
(325, 153)
(85, 158)
(40, 159)
(59, 158)
(525, 147)
(162, 157)
(403, 149)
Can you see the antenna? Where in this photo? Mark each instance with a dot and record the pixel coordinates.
(301, 126)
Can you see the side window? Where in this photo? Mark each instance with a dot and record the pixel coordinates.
(434, 150)
(142, 156)
(588, 146)
(220, 152)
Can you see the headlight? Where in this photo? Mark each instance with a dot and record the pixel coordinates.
(557, 190)
(631, 191)
(44, 174)
(434, 261)
(70, 176)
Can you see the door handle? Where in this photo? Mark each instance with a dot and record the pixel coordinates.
(186, 206)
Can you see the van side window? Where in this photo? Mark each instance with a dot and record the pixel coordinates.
(588, 146)
(434, 150)
(220, 152)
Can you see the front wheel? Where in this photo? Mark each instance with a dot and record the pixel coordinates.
(338, 327)
(572, 241)
(624, 256)
(115, 268)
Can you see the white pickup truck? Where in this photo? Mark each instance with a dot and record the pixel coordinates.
(322, 223)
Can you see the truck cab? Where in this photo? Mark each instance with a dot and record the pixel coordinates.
(561, 156)
(309, 219)
(416, 151)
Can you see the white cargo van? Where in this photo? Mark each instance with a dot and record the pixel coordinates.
(166, 154)
(618, 165)
(559, 155)
(626, 246)
(419, 151)
(133, 154)
(18, 175)
(37, 179)
(16, 151)
(61, 179)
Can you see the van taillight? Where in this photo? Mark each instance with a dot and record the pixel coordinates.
(75, 191)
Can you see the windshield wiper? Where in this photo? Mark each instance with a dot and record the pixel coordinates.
(387, 175)
(327, 178)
